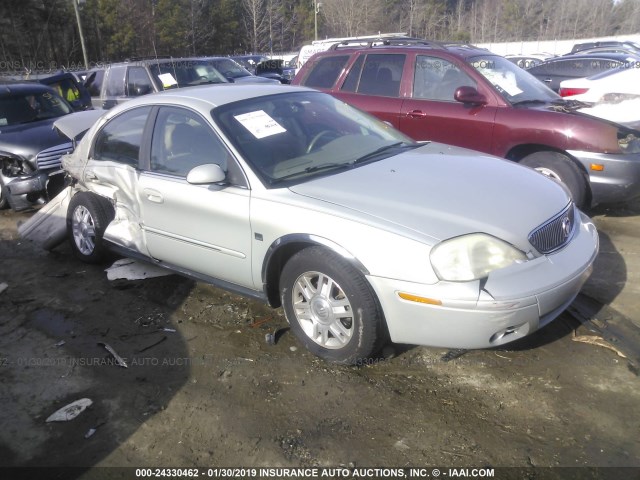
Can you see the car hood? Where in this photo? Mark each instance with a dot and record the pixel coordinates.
(27, 139)
(438, 192)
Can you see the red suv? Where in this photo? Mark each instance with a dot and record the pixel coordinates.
(466, 96)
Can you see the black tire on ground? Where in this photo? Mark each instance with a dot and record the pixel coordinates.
(87, 217)
(562, 169)
(4, 202)
(331, 307)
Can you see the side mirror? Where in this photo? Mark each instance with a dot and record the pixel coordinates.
(205, 174)
(469, 95)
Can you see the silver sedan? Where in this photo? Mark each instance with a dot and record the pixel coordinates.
(362, 235)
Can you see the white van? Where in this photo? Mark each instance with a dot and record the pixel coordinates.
(307, 51)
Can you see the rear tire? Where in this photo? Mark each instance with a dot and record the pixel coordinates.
(562, 169)
(87, 218)
(331, 307)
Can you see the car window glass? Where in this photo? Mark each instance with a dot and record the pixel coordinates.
(182, 140)
(351, 83)
(381, 75)
(115, 81)
(120, 139)
(325, 71)
(138, 81)
(438, 79)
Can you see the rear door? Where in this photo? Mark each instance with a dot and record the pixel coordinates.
(374, 85)
(429, 112)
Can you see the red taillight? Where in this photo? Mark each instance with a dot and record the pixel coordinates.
(568, 92)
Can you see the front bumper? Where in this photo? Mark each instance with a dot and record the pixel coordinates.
(617, 178)
(512, 303)
(25, 191)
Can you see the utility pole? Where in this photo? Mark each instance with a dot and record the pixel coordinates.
(84, 48)
(316, 9)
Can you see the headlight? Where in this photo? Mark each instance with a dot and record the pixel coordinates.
(471, 257)
(629, 142)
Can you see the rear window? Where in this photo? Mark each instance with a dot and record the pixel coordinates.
(325, 71)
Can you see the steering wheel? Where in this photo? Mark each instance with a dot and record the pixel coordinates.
(318, 136)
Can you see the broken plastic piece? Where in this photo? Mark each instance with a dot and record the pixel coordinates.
(90, 433)
(70, 411)
(119, 360)
(3, 286)
(134, 270)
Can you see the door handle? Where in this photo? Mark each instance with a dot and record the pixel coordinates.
(153, 195)
(548, 80)
(416, 114)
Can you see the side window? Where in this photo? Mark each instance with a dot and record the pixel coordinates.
(138, 82)
(438, 79)
(351, 83)
(115, 82)
(381, 75)
(120, 139)
(325, 71)
(183, 140)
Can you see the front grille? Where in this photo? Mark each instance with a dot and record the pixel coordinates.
(555, 233)
(50, 158)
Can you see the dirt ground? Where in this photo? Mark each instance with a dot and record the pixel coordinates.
(204, 388)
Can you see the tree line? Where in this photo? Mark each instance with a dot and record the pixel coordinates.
(43, 34)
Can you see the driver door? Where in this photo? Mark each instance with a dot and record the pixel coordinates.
(431, 112)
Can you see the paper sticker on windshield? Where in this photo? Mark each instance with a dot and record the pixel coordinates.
(167, 80)
(260, 124)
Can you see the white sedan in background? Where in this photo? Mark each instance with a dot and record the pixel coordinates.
(362, 235)
(613, 94)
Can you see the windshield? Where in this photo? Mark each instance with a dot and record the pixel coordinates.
(511, 81)
(185, 73)
(230, 68)
(293, 137)
(18, 109)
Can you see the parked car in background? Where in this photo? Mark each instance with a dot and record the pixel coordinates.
(276, 69)
(236, 73)
(613, 95)
(612, 45)
(554, 71)
(466, 96)
(126, 80)
(528, 61)
(249, 62)
(263, 66)
(71, 88)
(92, 80)
(293, 197)
(30, 149)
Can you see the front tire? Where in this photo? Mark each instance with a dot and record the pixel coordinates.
(331, 307)
(562, 169)
(87, 218)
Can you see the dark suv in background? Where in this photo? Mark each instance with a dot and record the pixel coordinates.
(466, 96)
(30, 149)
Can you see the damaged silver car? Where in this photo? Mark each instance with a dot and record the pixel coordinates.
(362, 235)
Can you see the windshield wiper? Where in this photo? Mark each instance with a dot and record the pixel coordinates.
(315, 168)
(380, 150)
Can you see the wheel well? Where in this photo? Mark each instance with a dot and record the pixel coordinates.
(518, 152)
(274, 269)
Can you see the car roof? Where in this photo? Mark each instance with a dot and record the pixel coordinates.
(595, 56)
(215, 95)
